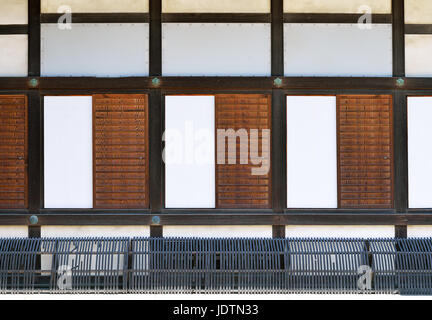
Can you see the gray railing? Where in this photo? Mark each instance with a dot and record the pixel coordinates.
(216, 266)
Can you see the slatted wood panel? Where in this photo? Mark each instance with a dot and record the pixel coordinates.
(13, 152)
(365, 142)
(236, 186)
(120, 151)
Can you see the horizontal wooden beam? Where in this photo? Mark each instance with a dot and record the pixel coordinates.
(215, 83)
(418, 29)
(13, 29)
(216, 18)
(333, 18)
(98, 17)
(125, 219)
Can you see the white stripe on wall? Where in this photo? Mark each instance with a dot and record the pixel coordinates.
(68, 152)
(312, 152)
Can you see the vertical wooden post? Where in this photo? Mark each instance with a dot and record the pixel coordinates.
(398, 11)
(34, 34)
(401, 232)
(155, 38)
(277, 38)
(401, 151)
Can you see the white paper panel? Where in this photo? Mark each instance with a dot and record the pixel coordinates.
(340, 231)
(336, 6)
(13, 56)
(218, 231)
(14, 232)
(418, 58)
(235, 49)
(212, 6)
(418, 11)
(95, 231)
(97, 6)
(68, 152)
(101, 50)
(419, 152)
(337, 50)
(13, 12)
(190, 152)
(312, 152)
(419, 231)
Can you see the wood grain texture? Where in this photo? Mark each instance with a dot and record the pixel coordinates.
(365, 151)
(236, 186)
(13, 152)
(120, 151)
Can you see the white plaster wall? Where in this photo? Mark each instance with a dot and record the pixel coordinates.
(68, 152)
(190, 152)
(97, 6)
(95, 231)
(418, 59)
(420, 231)
(13, 55)
(14, 232)
(99, 50)
(218, 231)
(418, 11)
(213, 6)
(419, 154)
(216, 49)
(336, 6)
(340, 232)
(311, 152)
(13, 11)
(338, 50)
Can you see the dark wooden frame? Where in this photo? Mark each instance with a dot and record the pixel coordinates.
(36, 87)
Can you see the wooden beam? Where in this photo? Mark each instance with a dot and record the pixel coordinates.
(98, 17)
(277, 38)
(13, 29)
(279, 232)
(155, 38)
(35, 154)
(401, 232)
(398, 12)
(333, 18)
(216, 18)
(34, 38)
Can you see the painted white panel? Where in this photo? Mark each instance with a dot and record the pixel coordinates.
(418, 60)
(212, 6)
(336, 6)
(95, 231)
(68, 152)
(14, 232)
(190, 152)
(13, 56)
(312, 152)
(419, 154)
(337, 50)
(97, 6)
(13, 12)
(100, 50)
(418, 11)
(228, 49)
(358, 232)
(218, 231)
(420, 231)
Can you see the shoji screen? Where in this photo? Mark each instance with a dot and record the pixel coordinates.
(13, 152)
(13, 48)
(216, 49)
(101, 50)
(238, 185)
(68, 152)
(419, 152)
(365, 141)
(189, 153)
(312, 152)
(120, 151)
(337, 50)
